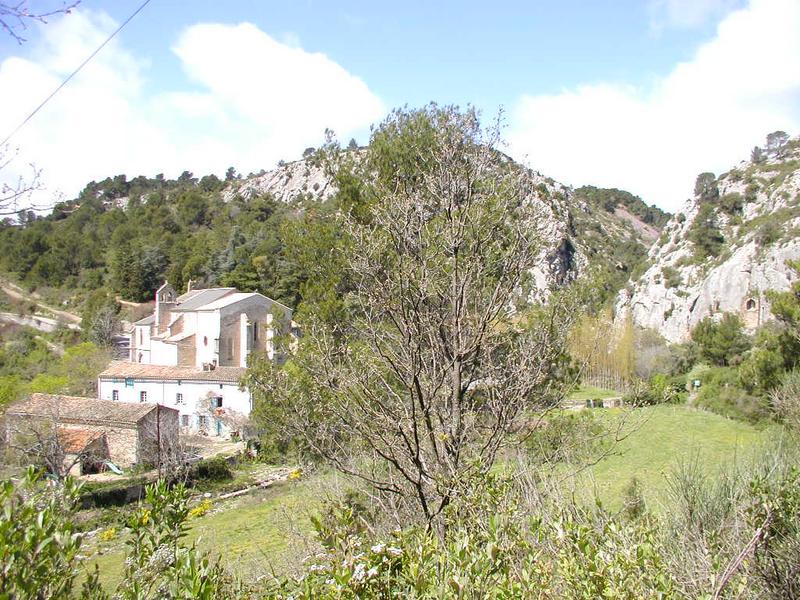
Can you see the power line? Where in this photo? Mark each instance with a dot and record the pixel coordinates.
(75, 72)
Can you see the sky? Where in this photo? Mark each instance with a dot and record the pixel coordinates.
(640, 95)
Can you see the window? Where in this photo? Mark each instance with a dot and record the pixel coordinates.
(178, 398)
(128, 382)
(205, 340)
(115, 395)
(255, 331)
(230, 347)
(184, 420)
(751, 304)
(217, 402)
(202, 421)
(142, 396)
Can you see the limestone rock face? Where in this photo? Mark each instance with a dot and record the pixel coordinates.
(757, 211)
(287, 182)
(563, 257)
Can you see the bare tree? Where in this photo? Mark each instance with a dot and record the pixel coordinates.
(233, 420)
(160, 444)
(15, 16)
(105, 324)
(776, 143)
(47, 443)
(442, 358)
(16, 193)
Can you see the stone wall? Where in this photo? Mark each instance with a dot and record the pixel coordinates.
(122, 441)
(187, 352)
(162, 424)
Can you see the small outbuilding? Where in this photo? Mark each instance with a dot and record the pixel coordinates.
(96, 430)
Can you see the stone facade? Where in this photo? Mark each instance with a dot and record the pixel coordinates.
(188, 390)
(133, 433)
(211, 327)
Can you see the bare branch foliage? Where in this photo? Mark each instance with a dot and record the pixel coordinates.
(16, 16)
(440, 359)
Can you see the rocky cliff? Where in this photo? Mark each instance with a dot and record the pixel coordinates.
(727, 246)
(610, 229)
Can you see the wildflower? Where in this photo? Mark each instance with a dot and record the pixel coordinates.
(394, 551)
(358, 572)
(378, 548)
(372, 572)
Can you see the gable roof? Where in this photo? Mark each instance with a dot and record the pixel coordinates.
(230, 299)
(75, 409)
(149, 320)
(197, 298)
(120, 369)
(75, 441)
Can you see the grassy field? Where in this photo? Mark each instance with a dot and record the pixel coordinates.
(660, 437)
(252, 533)
(265, 529)
(586, 392)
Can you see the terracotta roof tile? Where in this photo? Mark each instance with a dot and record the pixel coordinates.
(75, 441)
(75, 409)
(123, 369)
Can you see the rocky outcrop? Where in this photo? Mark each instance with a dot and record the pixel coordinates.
(566, 250)
(755, 208)
(285, 183)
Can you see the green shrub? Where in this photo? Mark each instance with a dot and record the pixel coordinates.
(761, 369)
(40, 545)
(769, 233)
(722, 393)
(723, 342)
(492, 549)
(705, 234)
(212, 469)
(776, 513)
(672, 277)
(568, 437)
(732, 203)
(751, 193)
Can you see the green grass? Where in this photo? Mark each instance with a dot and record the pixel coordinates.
(586, 392)
(256, 532)
(659, 438)
(251, 533)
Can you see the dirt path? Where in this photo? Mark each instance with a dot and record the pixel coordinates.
(16, 292)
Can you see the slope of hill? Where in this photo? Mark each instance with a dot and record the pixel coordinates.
(725, 249)
(609, 230)
(129, 235)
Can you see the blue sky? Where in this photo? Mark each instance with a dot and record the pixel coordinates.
(639, 95)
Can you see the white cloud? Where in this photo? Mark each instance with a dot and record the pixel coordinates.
(704, 115)
(248, 101)
(684, 14)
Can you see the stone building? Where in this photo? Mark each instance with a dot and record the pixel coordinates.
(191, 355)
(208, 400)
(209, 328)
(122, 433)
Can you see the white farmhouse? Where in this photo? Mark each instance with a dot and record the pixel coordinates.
(191, 354)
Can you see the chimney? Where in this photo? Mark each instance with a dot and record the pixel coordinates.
(189, 286)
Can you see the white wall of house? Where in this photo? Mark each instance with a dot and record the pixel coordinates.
(189, 321)
(193, 403)
(162, 353)
(207, 337)
(140, 344)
